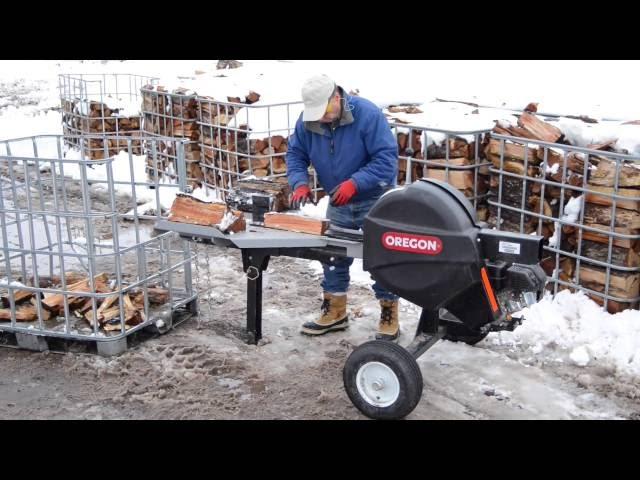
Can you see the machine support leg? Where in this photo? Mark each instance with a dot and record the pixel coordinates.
(254, 262)
(428, 333)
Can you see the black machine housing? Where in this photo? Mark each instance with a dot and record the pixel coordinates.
(424, 243)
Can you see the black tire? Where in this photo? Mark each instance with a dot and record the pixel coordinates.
(460, 333)
(403, 365)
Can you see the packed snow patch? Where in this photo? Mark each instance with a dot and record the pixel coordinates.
(572, 327)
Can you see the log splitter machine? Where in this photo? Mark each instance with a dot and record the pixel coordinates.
(423, 242)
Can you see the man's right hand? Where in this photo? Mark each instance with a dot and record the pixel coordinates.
(300, 196)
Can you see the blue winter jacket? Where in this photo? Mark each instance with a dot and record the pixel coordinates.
(361, 147)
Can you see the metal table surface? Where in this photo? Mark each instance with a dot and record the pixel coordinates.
(257, 245)
(260, 237)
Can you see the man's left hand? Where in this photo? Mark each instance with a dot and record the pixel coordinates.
(343, 193)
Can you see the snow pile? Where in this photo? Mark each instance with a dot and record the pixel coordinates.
(206, 195)
(572, 327)
(22, 122)
(122, 106)
(267, 121)
(583, 134)
(572, 209)
(4, 282)
(318, 211)
(147, 198)
(227, 220)
(570, 215)
(553, 169)
(450, 116)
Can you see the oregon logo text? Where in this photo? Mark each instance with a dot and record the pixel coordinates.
(406, 242)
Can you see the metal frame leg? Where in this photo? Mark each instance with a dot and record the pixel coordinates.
(429, 331)
(110, 348)
(254, 262)
(36, 343)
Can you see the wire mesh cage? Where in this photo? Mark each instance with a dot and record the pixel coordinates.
(240, 140)
(586, 204)
(103, 106)
(78, 256)
(454, 157)
(172, 114)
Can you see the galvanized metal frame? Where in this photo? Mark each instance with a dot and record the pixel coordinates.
(558, 251)
(479, 163)
(228, 172)
(222, 173)
(162, 124)
(78, 90)
(51, 236)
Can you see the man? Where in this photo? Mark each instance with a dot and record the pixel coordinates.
(350, 145)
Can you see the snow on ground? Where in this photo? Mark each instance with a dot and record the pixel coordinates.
(124, 181)
(569, 331)
(384, 82)
(496, 386)
(573, 328)
(17, 123)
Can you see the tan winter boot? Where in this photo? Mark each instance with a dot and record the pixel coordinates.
(334, 316)
(389, 327)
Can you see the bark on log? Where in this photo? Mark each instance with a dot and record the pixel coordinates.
(539, 129)
(601, 215)
(605, 174)
(55, 303)
(513, 166)
(188, 209)
(633, 203)
(604, 238)
(513, 151)
(623, 285)
(18, 296)
(460, 179)
(24, 313)
(622, 257)
(295, 223)
(240, 197)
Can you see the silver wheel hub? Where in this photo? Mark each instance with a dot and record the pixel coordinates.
(377, 384)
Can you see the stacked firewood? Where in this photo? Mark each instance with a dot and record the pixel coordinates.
(537, 163)
(524, 159)
(82, 118)
(444, 161)
(172, 114)
(228, 152)
(563, 169)
(107, 315)
(598, 211)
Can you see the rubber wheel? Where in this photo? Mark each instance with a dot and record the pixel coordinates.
(461, 333)
(382, 380)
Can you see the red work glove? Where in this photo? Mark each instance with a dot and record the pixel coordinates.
(343, 193)
(300, 196)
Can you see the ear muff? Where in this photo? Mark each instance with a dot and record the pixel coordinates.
(329, 107)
